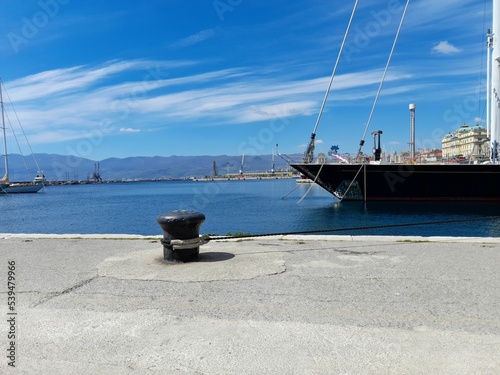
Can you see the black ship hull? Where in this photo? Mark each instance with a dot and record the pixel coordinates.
(407, 182)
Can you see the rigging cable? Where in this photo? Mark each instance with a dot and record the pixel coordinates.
(18, 145)
(24, 134)
(362, 142)
(310, 187)
(352, 182)
(309, 154)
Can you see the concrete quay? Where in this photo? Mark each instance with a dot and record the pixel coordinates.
(276, 305)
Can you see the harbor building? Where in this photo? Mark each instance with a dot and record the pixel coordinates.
(466, 143)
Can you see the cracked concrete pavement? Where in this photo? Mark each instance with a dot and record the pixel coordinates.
(280, 305)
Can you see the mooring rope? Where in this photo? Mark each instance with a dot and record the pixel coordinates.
(451, 221)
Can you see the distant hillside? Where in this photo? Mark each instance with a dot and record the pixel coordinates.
(61, 168)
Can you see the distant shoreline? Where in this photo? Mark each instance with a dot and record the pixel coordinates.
(227, 177)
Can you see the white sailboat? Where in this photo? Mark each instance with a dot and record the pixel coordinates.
(7, 187)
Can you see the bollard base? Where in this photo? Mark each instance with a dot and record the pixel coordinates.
(180, 256)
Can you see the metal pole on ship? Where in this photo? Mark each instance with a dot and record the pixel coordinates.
(495, 82)
(412, 131)
(489, 42)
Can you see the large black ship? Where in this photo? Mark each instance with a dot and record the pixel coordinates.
(375, 180)
(407, 182)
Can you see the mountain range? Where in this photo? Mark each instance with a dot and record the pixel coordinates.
(72, 168)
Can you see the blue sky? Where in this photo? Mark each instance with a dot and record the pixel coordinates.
(103, 79)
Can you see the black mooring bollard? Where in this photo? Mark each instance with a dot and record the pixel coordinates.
(181, 240)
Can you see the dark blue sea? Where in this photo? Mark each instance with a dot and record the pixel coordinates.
(250, 206)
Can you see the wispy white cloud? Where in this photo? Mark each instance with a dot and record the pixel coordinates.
(76, 79)
(445, 48)
(276, 111)
(445, 14)
(195, 38)
(73, 103)
(64, 80)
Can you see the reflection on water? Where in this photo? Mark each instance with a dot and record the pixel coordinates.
(371, 214)
(255, 207)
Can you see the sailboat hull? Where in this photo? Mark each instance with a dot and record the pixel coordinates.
(407, 182)
(19, 189)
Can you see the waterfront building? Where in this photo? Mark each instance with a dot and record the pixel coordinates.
(466, 143)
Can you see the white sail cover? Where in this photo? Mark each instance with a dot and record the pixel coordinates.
(5, 179)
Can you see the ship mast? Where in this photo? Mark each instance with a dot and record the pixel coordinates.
(6, 177)
(495, 82)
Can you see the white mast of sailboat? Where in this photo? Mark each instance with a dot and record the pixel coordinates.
(272, 165)
(495, 82)
(5, 178)
(241, 168)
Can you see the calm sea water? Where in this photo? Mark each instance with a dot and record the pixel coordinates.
(252, 206)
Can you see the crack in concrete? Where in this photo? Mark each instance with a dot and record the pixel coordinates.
(65, 291)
